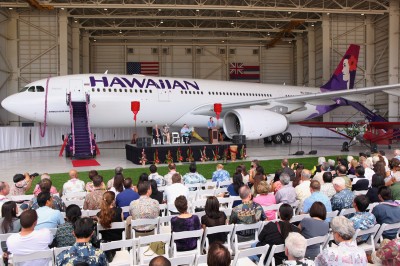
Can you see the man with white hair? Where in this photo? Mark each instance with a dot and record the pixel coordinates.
(347, 252)
(295, 250)
(343, 199)
(303, 190)
(287, 194)
(368, 172)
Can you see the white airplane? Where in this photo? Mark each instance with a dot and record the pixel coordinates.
(255, 110)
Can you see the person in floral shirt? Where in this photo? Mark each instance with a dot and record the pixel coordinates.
(362, 219)
(388, 253)
(347, 253)
(193, 176)
(22, 183)
(221, 175)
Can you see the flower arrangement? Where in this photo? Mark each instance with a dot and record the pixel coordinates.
(204, 157)
(169, 159)
(143, 159)
(156, 159)
(243, 154)
(225, 155)
(179, 157)
(189, 153)
(216, 153)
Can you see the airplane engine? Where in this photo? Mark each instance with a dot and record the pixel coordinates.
(255, 124)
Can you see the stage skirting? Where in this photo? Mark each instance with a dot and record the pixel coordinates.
(134, 153)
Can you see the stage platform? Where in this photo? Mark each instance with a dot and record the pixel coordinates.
(134, 153)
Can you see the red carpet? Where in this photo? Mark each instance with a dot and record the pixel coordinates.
(82, 163)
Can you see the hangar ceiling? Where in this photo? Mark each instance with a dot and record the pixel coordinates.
(204, 21)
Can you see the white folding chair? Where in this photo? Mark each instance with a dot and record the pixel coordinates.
(200, 214)
(321, 240)
(125, 209)
(123, 256)
(332, 214)
(228, 229)
(163, 209)
(78, 202)
(347, 211)
(360, 192)
(193, 188)
(74, 196)
(227, 212)
(242, 256)
(274, 250)
(19, 198)
(370, 244)
(245, 244)
(225, 202)
(90, 213)
(385, 227)
(184, 260)
(220, 192)
(224, 183)
(299, 218)
(371, 206)
(201, 260)
(40, 254)
(273, 207)
(294, 205)
(4, 237)
(115, 225)
(143, 222)
(176, 139)
(201, 203)
(143, 243)
(209, 185)
(57, 251)
(186, 234)
(203, 194)
(164, 224)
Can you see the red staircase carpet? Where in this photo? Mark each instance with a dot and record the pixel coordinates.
(82, 163)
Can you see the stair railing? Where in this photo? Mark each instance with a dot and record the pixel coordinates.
(88, 122)
(71, 115)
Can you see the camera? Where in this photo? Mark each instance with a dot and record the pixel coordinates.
(33, 175)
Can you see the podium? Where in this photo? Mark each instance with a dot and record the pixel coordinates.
(214, 134)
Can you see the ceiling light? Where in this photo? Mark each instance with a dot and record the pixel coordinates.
(120, 31)
(159, 9)
(197, 10)
(277, 24)
(268, 33)
(161, 22)
(105, 9)
(362, 14)
(312, 25)
(94, 40)
(328, 13)
(290, 41)
(62, 8)
(232, 23)
(238, 11)
(76, 21)
(289, 12)
(10, 8)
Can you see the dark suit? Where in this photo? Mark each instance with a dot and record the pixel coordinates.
(155, 137)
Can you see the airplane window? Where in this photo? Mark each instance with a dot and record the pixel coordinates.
(223, 93)
(39, 89)
(115, 90)
(120, 90)
(126, 90)
(231, 94)
(145, 91)
(181, 92)
(135, 90)
(209, 93)
(92, 89)
(201, 92)
(31, 89)
(109, 90)
(130, 90)
(185, 92)
(98, 90)
(212, 93)
(140, 91)
(24, 89)
(104, 90)
(190, 92)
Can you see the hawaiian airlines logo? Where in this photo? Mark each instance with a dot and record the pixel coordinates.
(142, 83)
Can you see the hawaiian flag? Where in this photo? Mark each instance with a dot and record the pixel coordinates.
(239, 71)
(144, 68)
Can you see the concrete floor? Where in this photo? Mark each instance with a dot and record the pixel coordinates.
(113, 154)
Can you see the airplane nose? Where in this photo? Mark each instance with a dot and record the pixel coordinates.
(11, 104)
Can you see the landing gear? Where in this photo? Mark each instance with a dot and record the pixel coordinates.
(267, 140)
(277, 139)
(287, 137)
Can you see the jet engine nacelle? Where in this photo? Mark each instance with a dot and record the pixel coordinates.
(255, 124)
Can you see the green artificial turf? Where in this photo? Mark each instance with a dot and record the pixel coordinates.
(206, 169)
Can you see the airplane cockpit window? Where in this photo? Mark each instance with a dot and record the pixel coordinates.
(31, 89)
(24, 89)
(39, 89)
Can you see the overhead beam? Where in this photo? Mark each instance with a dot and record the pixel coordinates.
(253, 8)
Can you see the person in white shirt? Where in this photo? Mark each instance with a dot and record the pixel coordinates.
(73, 184)
(303, 190)
(28, 241)
(154, 175)
(173, 191)
(172, 171)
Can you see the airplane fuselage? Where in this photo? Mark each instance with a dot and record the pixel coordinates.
(162, 100)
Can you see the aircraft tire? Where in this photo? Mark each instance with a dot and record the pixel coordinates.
(267, 140)
(287, 137)
(277, 139)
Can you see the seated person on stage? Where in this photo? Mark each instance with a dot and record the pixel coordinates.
(165, 133)
(186, 134)
(157, 135)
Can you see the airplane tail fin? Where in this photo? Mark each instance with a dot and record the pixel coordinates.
(344, 76)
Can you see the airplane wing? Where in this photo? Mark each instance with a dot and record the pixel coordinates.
(375, 125)
(299, 100)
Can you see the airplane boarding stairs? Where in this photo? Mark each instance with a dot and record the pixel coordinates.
(82, 140)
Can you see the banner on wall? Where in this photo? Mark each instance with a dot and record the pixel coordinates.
(240, 71)
(144, 68)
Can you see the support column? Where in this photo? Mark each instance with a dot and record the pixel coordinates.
(311, 56)
(393, 102)
(12, 58)
(75, 49)
(299, 60)
(85, 53)
(369, 59)
(63, 42)
(326, 60)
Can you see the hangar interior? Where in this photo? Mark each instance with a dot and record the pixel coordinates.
(293, 42)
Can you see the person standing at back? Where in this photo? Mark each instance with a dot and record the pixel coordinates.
(210, 126)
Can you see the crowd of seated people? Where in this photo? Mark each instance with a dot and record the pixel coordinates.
(350, 184)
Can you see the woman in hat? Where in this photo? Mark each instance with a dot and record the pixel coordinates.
(265, 198)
